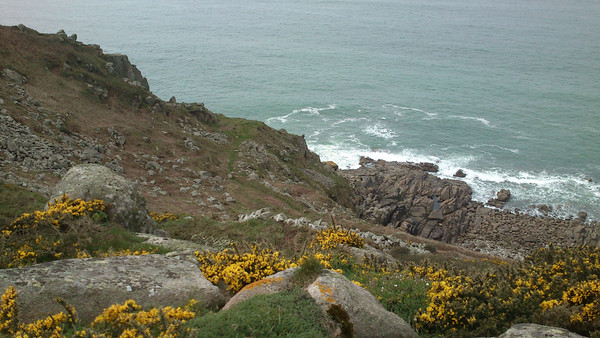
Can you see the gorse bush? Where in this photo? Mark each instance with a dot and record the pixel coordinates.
(547, 281)
(335, 235)
(67, 229)
(119, 320)
(40, 235)
(130, 320)
(161, 218)
(238, 269)
(51, 326)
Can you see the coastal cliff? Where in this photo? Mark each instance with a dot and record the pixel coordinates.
(78, 123)
(63, 103)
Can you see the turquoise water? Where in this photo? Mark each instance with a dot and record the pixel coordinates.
(509, 91)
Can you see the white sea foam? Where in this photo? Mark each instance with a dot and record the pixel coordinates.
(478, 119)
(479, 146)
(378, 130)
(307, 110)
(349, 119)
(564, 192)
(429, 115)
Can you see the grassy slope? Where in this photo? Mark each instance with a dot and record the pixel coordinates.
(59, 73)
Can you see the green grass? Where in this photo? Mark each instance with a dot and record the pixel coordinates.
(291, 241)
(396, 291)
(284, 314)
(14, 201)
(116, 238)
(309, 270)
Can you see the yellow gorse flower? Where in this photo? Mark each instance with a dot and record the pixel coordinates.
(335, 235)
(34, 234)
(240, 269)
(160, 218)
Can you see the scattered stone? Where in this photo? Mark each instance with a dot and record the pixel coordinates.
(494, 202)
(544, 208)
(172, 99)
(460, 173)
(429, 167)
(13, 76)
(262, 214)
(582, 216)
(503, 195)
(173, 244)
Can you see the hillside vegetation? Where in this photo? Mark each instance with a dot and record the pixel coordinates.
(256, 200)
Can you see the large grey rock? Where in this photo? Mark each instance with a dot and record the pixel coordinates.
(368, 316)
(92, 181)
(535, 331)
(121, 67)
(92, 284)
(332, 290)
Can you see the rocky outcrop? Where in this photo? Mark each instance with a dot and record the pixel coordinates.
(349, 307)
(92, 181)
(13, 76)
(405, 196)
(535, 331)
(119, 65)
(92, 284)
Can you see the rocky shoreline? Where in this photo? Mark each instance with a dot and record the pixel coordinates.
(406, 196)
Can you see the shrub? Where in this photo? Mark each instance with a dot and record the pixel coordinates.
(118, 320)
(68, 228)
(309, 270)
(334, 235)
(40, 235)
(550, 283)
(238, 269)
(161, 218)
(51, 326)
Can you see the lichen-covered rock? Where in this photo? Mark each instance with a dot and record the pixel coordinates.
(92, 181)
(368, 317)
(92, 284)
(535, 330)
(339, 298)
(266, 286)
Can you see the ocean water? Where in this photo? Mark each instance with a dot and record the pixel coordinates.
(508, 91)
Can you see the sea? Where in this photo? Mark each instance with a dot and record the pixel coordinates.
(506, 90)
